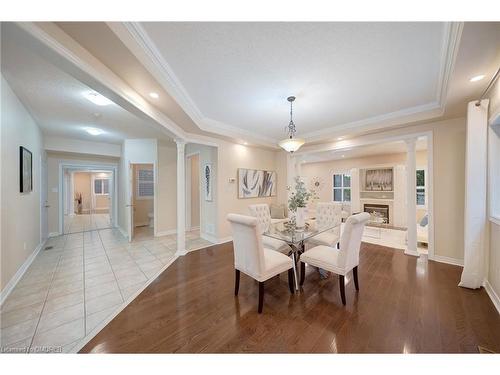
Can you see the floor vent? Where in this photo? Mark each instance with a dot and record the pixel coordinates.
(49, 248)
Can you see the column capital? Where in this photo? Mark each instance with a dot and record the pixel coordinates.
(180, 142)
(411, 143)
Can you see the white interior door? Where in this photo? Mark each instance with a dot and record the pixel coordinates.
(130, 203)
(44, 204)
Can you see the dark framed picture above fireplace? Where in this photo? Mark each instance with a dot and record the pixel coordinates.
(378, 179)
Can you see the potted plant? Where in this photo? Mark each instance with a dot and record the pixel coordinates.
(298, 201)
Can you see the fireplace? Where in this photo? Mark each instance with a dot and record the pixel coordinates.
(380, 211)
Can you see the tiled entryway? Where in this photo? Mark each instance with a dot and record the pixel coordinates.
(86, 222)
(72, 287)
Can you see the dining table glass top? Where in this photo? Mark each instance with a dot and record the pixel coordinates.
(292, 235)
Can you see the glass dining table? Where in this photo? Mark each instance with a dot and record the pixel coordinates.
(297, 237)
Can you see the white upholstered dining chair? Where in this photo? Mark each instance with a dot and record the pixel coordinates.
(262, 213)
(327, 213)
(339, 261)
(253, 259)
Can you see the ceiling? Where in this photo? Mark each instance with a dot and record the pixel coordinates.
(56, 100)
(395, 147)
(240, 74)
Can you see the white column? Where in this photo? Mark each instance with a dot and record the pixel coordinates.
(181, 197)
(411, 197)
(290, 173)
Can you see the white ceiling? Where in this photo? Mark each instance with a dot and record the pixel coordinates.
(395, 147)
(239, 74)
(56, 100)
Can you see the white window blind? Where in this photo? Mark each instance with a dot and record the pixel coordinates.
(145, 183)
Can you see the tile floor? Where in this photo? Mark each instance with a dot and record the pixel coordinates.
(86, 222)
(71, 288)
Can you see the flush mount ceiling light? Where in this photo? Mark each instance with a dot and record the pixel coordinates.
(94, 131)
(291, 144)
(97, 98)
(154, 95)
(477, 78)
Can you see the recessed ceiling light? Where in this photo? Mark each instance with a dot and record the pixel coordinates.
(97, 98)
(340, 138)
(154, 95)
(343, 156)
(94, 131)
(245, 143)
(477, 78)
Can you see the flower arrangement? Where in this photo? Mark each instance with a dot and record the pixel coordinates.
(301, 196)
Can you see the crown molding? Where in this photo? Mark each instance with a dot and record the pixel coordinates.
(161, 70)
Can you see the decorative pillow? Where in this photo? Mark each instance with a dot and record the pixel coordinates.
(277, 211)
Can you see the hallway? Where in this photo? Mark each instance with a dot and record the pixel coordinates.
(86, 222)
(75, 283)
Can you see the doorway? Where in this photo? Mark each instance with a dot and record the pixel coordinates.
(141, 200)
(87, 199)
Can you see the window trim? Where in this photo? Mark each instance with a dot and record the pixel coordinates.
(102, 185)
(342, 188)
(145, 197)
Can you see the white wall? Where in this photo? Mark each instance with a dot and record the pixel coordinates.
(20, 223)
(167, 190)
(59, 144)
(493, 253)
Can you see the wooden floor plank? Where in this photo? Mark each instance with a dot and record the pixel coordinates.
(405, 304)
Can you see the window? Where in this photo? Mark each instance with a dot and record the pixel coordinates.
(101, 186)
(421, 187)
(341, 188)
(145, 184)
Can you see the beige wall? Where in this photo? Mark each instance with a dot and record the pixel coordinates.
(231, 157)
(167, 189)
(54, 159)
(142, 207)
(20, 213)
(195, 191)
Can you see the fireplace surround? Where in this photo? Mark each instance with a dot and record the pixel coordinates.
(380, 210)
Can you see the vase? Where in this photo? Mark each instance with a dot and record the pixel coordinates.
(300, 217)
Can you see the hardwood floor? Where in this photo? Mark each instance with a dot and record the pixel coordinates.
(404, 305)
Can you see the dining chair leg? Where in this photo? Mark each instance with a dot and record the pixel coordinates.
(302, 273)
(342, 288)
(236, 282)
(261, 296)
(290, 280)
(355, 274)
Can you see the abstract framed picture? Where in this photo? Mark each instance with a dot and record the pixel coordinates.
(26, 170)
(253, 183)
(207, 185)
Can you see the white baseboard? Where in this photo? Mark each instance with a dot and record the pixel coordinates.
(123, 232)
(19, 274)
(166, 233)
(492, 294)
(193, 228)
(209, 237)
(54, 234)
(141, 224)
(447, 260)
(224, 240)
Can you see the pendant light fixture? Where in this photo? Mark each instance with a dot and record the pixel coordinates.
(291, 144)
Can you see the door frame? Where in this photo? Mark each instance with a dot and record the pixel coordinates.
(44, 199)
(84, 167)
